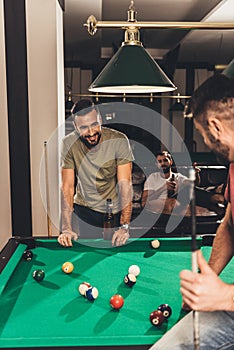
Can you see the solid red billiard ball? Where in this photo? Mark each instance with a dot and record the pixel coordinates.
(67, 267)
(27, 255)
(117, 301)
(166, 310)
(157, 318)
(38, 275)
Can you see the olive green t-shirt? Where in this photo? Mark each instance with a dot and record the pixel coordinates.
(96, 169)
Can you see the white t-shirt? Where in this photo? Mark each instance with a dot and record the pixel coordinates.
(155, 182)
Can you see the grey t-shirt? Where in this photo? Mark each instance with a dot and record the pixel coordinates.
(96, 169)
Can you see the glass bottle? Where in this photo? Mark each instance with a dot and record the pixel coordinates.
(108, 225)
(171, 192)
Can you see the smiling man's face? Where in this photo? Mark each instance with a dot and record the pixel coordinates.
(89, 128)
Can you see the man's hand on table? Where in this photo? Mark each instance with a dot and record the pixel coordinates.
(66, 238)
(120, 237)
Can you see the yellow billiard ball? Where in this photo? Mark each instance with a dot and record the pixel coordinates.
(67, 267)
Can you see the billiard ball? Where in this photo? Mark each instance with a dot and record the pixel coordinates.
(27, 255)
(91, 293)
(130, 280)
(116, 301)
(83, 287)
(67, 267)
(166, 310)
(38, 275)
(157, 318)
(134, 269)
(155, 244)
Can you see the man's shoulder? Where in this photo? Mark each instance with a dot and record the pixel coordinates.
(112, 133)
(155, 175)
(181, 176)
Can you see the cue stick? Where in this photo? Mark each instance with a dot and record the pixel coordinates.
(196, 337)
(49, 226)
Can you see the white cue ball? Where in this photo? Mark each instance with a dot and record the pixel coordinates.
(155, 244)
(134, 269)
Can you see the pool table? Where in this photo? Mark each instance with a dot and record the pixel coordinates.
(51, 314)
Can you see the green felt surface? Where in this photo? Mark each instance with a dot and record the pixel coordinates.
(53, 313)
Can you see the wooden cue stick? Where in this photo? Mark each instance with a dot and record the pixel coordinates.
(49, 226)
(196, 336)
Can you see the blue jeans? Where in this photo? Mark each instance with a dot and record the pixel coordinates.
(216, 332)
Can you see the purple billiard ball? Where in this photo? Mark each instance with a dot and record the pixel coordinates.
(157, 318)
(166, 310)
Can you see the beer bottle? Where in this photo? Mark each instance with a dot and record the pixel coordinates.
(108, 225)
(171, 192)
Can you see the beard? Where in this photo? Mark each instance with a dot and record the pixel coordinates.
(166, 170)
(85, 139)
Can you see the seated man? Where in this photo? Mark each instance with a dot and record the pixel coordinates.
(161, 190)
(162, 187)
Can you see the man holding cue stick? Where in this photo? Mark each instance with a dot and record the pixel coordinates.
(212, 107)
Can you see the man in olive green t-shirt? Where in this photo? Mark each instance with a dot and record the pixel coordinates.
(99, 161)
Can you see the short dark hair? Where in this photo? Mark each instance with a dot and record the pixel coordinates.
(82, 107)
(164, 153)
(217, 94)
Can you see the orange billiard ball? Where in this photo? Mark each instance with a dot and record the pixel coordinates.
(67, 267)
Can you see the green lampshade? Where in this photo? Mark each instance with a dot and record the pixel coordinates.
(132, 70)
(229, 70)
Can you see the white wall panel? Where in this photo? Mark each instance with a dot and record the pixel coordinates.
(46, 105)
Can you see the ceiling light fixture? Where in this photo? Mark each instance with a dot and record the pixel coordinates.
(229, 70)
(132, 69)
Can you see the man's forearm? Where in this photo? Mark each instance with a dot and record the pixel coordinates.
(223, 245)
(126, 214)
(66, 210)
(125, 190)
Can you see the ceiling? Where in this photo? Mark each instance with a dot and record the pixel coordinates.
(177, 46)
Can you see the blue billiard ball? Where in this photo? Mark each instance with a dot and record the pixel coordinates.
(91, 293)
